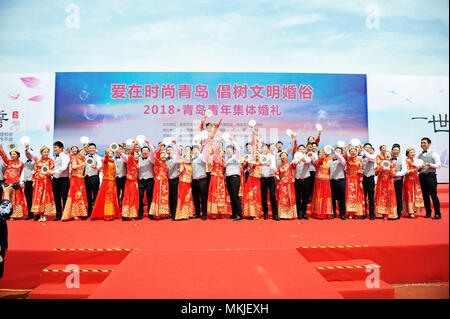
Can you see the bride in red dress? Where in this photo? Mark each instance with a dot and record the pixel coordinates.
(14, 168)
(217, 194)
(185, 204)
(43, 202)
(160, 202)
(321, 205)
(252, 189)
(354, 191)
(107, 205)
(412, 192)
(385, 198)
(285, 175)
(76, 205)
(130, 203)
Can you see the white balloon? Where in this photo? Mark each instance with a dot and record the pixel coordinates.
(226, 136)
(208, 113)
(298, 156)
(25, 140)
(204, 135)
(84, 140)
(319, 127)
(355, 142)
(289, 132)
(341, 144)
(167, 141)
(252, 123)
(140, 139)
(327, 149)
(129, 142)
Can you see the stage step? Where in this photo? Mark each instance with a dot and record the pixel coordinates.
(359, 290)
(60, 291)
(345, 270)
(89, 274)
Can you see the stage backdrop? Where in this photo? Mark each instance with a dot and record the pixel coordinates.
(403, 109)
(27, 108)
(111, 107)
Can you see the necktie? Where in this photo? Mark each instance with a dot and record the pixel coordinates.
(57, 155)
(29, 161)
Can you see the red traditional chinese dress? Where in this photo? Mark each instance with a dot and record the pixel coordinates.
(12, 175)
(412, 192)
(160, 201)
(385, 198)
(76, 204)
(252, 191)
(379, 158)
(43, 202)
(107, 205)
(321, 205)
(130, 203)
(185, 204)
(354, 191)
(287, 206)
(217, 193)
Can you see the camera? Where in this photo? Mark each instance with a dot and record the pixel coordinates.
(15, 185)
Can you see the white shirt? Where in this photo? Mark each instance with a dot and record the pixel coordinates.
(65, 164)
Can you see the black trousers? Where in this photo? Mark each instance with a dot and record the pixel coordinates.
(1, 188)
(29, 195)
(398, 185)
(369, 194)
(302, 195)
(428, 183)
(312, 180)
(247, 173)
(268, 184)
(60, 187)
(233, 186)
(120, 185)
(92, 184)
(173, 195)
(145, 187)
(338, 195)
(200, 196)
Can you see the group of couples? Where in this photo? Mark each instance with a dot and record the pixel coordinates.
(208, 179)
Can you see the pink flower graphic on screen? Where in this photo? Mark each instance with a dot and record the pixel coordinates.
(31, 82)
(36, 98)
(13, 96)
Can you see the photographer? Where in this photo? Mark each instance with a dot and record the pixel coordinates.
(5, 212)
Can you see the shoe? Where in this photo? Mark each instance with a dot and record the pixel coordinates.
(436, 217)
(266, 216)
(204, 217)
(37, 217)
(304, 216)
(427, 215)
(334, 215)
(30, 216)
(196, 216)
(299, 216)
(151, 217)
(371, 218)
(238, 218)
(276, 218)
(231, 217)
(57, 219)
(342, 217)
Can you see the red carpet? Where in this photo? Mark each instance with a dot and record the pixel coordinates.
(226, 259)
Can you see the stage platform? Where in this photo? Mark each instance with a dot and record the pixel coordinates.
(227, 259)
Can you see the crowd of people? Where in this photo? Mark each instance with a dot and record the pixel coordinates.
(216, 178)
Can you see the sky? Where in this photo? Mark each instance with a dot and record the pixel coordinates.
(404, 37)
